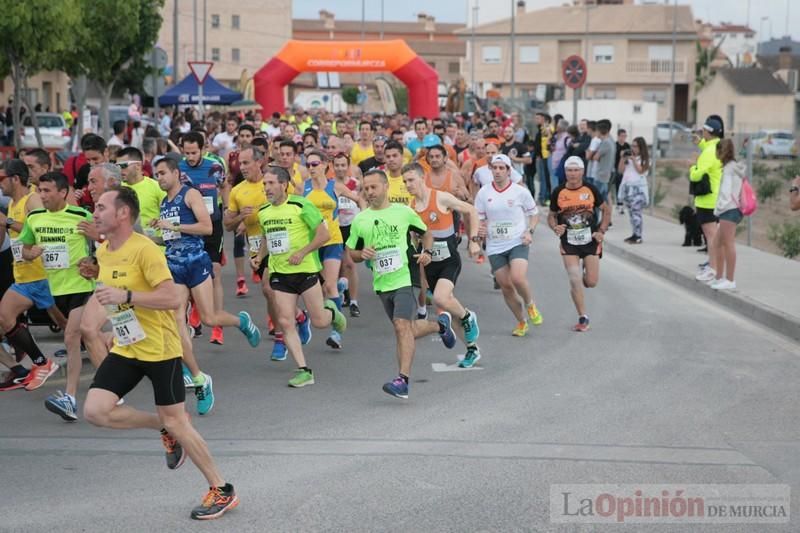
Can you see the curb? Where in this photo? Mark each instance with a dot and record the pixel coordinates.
(767, 316)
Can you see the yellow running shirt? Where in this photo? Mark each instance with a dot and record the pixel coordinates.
(398, 194)
(24, 271)
(249, 194)
(325, 200)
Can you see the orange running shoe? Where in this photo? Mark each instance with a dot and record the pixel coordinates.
(194, 317)
(241, 287)
(216, 336)
(39, 374)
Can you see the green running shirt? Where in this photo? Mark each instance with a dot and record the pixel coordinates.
(287, 228)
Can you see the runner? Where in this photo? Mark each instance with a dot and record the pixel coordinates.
(149, 194)
(324, 194)
(509, 216)
(572, 218)
(393, 154)
(381, 235)
(183, 221)
(293, 231)
(50, 233)
(138, 285)
(348, 209)
(436, 209)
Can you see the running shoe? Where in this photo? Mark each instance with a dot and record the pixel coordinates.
(217, 337)
(304, 328)
(278, 351)
(397, 388)
(188, 382)
(423, 314)
(472, 356)
(334, 340)
(480, 259)
(471, 329)
(345, 298)
(174, 451)
(205, 396)
(39, 374)
(355, 312)
(636, 240)
(582, 325)
(534, 315)
(270, 326)
(250, 330)
(342, 285)
(217, 501)
(256, 278)
(521, 330)
(339, 322)
(723, 285)
(302, 378)
(707, 274)
(194, 317)
(13, 382)
(195, 332)
(241, 287)
(446, 332)
(61, 404)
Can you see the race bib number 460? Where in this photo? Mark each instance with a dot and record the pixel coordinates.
(579, 237)
(387, 261)
(127, 329)
(55, 256)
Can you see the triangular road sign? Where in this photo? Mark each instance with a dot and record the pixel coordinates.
(200, 70)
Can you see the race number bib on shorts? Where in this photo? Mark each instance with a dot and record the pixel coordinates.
(278, 242)
(579, 237)
(209, 203)
(127, 329)
(441, 251)
(387, 261)
(168, 234)
(16, 250)
(55, 256)
(346, 204)
(501, 231)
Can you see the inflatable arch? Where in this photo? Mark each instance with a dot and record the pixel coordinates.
(349, 56)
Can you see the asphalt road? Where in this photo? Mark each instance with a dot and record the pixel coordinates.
(665, 388)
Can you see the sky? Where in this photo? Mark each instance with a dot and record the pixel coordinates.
(734, 11)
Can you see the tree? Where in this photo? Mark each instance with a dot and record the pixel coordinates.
(36, 34)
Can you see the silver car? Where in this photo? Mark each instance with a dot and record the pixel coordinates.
(53, 129)
(774, 143)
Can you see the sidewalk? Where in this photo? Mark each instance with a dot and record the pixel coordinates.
(768, 286)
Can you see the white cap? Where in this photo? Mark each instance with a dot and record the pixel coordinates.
(573, 161)
(502, 158)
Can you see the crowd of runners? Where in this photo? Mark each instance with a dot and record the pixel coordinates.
(122, 250)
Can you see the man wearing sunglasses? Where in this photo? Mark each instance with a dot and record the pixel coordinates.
(150, 195)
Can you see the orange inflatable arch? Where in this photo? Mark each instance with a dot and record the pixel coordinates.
(349, 56)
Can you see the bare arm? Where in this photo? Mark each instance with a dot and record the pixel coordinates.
(203, 225)
(164, 296)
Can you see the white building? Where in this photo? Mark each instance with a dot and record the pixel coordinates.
(739, 43)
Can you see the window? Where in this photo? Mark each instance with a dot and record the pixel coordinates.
(235, 55)
(215, 54)
(491, 54)
(453, 67)
(659, 51)
(235, 22)
(215, 21)
(603, 53)
(658, 96)
(529, 54)
(605, 93)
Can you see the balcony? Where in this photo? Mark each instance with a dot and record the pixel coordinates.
(654, 66)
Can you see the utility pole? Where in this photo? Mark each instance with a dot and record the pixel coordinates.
(382, 20)
(205, 25)
(513, 47)
(671, 98)
(473, 51)
(175, 40)
(194, 24)
(363, 78)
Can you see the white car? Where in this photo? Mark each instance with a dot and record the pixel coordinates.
(53, 129)
(774, 143)
(679, 132)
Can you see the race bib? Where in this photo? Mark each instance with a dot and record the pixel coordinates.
(127, 329)
(346, 204)
(168, 234)
(55, 256)
(501, 231)
(16, 249)
(278, 242)
(254, 243)
(209, 202)
(387, 261)
(579, 237)
(441, 251)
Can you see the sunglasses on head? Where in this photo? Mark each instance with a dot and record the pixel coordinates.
(125, 164)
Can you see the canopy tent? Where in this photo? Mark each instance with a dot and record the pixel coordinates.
(188, 90)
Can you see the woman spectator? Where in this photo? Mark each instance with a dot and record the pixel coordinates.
(558, 151)
(704, 177)
(634, 165)
(727, 209)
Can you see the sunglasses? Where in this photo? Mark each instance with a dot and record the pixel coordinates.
(313, 164)
(125, 164)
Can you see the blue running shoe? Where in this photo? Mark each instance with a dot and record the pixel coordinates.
(342, 285)
(61, 404)
(335, 340)
(205, 396)
(446, 329)
(279, 351)
(304, 329)
(397, 388)
(472, 356)
(471, 329)
(188, 383)
(249, 329)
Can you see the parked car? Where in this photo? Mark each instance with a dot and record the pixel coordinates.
(774, 143)
(53, 129)
(679, 132)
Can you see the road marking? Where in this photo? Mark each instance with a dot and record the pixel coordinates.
(444, 367)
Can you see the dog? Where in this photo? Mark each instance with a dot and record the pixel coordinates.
(693, 235)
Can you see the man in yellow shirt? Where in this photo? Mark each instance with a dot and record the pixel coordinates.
(140, 296)
(363, 148)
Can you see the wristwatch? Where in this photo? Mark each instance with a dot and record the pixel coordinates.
(475, 239)
(10, 221)
(427, 251)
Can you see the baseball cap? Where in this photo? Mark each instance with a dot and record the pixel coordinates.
(502, 158)
(573, 161)
(712, 125)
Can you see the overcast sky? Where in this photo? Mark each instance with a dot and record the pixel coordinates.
(734, 11)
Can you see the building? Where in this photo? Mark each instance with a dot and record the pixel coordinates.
(628, 49)
(748, 100)
(237, 36)
(50, 89)
(737, 42)
(780, 53)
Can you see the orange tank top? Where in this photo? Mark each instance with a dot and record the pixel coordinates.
(440, 223)
(447, 186)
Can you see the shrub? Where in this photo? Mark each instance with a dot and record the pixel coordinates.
(787, 237)
(350, 95)
(676, 211)
(768, 189)
(401, 99)
(671, 173)
(760, 170)
(788, 172)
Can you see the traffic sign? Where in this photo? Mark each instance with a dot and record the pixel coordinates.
(573, 70)
(200, 69)
(159, 87)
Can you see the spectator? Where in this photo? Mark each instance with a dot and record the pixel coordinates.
(559, 150)
(119, 132)
(634, 165)
(704, 176)
(727, 209)
(604, 157)
(794, 194)
(622, 146)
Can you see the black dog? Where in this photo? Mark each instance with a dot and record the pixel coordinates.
(694, 235)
